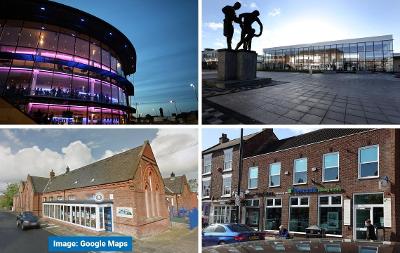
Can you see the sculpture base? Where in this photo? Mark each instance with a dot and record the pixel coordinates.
(224, 84)
(237, 65)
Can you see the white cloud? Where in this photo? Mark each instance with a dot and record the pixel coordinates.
(302, 130)
(11, 136)
(176, 150)
(109, 153)
(15, 166)
(253, 5)
(275, 12)
(214, 26)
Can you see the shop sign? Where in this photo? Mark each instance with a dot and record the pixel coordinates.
(126, 212)
(314, 190)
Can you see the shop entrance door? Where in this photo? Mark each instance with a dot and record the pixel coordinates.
(374, 213)
(108, 218)
(253, 217)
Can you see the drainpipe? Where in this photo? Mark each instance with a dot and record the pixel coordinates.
(238, 211)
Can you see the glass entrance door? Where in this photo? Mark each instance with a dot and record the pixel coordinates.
(252, 217)
(108, 218)
(362, 214)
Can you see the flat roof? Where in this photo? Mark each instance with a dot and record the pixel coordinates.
(365, 39)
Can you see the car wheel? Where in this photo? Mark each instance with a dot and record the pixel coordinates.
(221, 243)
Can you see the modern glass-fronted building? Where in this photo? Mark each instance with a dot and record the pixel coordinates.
(60, 65)
(363, 54)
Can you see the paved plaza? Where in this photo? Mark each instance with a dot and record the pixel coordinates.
(302, 98)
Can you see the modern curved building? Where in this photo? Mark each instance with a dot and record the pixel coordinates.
(61, 65)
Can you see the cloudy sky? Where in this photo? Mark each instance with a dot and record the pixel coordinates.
(210, 136)
(37, 151)
(290, 22)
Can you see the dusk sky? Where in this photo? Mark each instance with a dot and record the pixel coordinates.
(289, 22)
(211, 135)
(164, 34)
(36, 152)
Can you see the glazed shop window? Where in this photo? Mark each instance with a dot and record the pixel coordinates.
(299, 213)
(228, 159)
(330, 214)
(273, 213)
(368, 162)
(253, 178)
(206, 187)
(226, 184)
(330, 170)
(300, 171)
(275, 174)
(207, 164)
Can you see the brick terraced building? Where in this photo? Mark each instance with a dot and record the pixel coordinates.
(332, 178)
(179, 195)
(123, 193)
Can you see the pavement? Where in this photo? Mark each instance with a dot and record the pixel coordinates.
(177, 239)
(300, 98)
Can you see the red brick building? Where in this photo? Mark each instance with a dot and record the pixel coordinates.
(29, 197)
(220, 174)
(178, 194)
(123, 193)
(332, 178)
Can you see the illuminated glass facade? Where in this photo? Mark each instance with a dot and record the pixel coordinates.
(58, 75)
(364, 54)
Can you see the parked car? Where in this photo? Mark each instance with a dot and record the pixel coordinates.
(217, 234)
(27, 220)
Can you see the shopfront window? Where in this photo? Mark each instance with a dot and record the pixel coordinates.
(300, 171)
(275, 175)
(207, 163)
(228, 159)
(273, 213)
(226, 184)
(206, 187)
(299, 214)
(331, 167)
(253, 178)
(368, 162)
(330, 214)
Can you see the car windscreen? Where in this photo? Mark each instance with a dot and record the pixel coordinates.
(29, 216)
(240, 228)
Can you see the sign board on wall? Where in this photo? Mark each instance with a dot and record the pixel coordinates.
(126, 212)
(346, 214)
(387, 221)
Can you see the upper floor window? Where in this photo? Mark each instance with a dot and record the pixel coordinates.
(71, 197)
(275, 175)
(330, 171)
(300, 171)
(253, 178)
(206, 183)
(207, 164)
(368, 162)
(59, 198)
(226, 185)
(44, 199)
(228, 159)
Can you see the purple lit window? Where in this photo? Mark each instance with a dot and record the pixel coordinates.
(29, 38)
(66, 44)
(9, 35)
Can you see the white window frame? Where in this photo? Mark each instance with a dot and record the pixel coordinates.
(223, 185)
(294, 171)
(295, 206)
(269, 178)
(229, 150)
(274, 205)
(202, 182)
(323, 167)
(207, 157)
(359, 161)
(248, 180)
(330, 205)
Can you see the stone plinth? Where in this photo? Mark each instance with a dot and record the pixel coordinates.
(227, 64)
(237, 65)
(246, 65)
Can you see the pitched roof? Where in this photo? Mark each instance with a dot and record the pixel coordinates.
(228, 144)
(117, 168)
(39, 183)
(175, 184)
(307, 138)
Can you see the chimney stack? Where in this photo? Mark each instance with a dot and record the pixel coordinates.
(67, 170)
(172, 174)
(52, 174)
(224, 138)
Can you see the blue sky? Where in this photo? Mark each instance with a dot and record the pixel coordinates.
(37, 151)
(165, 36)
(211, 135)
(289, 22)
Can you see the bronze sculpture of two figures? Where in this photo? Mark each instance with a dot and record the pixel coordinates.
(245, 20)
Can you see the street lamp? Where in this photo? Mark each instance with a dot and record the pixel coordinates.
(174, 102)
(195, 92)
